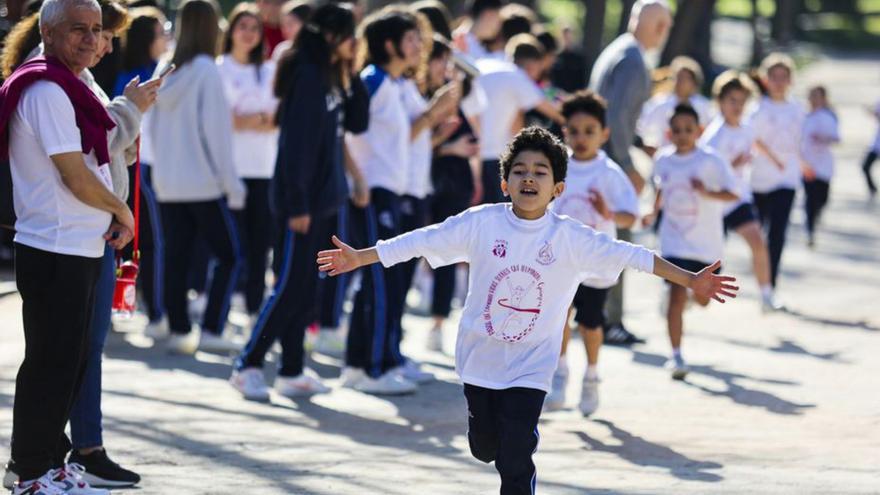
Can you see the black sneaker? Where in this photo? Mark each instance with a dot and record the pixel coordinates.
(618, 335)
(10, 476)
(102, 472)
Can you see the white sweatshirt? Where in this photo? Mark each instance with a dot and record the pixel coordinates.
(523, 276)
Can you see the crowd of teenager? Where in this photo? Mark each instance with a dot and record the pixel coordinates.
(258, 136)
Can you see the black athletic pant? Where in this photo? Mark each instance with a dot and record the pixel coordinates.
(491, 179)
(774, 209)
(442, 207)
(503, 427)
(184, 224)
(291, 306)
(152, 247)
(816, 192)
(866, 168)
(373, 336)
(255, 225)
(58, 298)
(332, 290)
(413, 215)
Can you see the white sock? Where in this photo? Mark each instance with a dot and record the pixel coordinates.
(592, 372)
(676, 352)
(767, 291)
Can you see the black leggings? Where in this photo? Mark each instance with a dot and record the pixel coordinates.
(443, 207)
(866, 168)
(774, 209)
(816, 192)
(255, 224)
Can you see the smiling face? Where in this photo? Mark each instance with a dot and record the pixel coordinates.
(585, 135)
(684, 132)
(530, 184)
(76, 40)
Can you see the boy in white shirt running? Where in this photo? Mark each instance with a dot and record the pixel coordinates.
(598, 194)
(733, 139)
(525, 265)
(692, 185)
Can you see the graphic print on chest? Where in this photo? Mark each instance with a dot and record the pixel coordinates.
(513, 303)
(499, 250)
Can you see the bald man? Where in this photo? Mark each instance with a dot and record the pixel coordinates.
(621, 76)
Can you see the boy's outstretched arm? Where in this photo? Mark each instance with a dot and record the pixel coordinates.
(704, 283)
(345, 258)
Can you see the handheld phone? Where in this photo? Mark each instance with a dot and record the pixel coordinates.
(167, 70)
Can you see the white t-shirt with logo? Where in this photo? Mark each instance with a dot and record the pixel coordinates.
(509, 91)
(49, 217)
(823, 124)
(254, 152)
(382, 152)
(730, 142)
(778, 125)
(653, 123)
(523, 276)
(418, 182)
(604, 176)
(692, 226)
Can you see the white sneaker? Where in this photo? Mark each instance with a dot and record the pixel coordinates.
(10, 477)
(210, 342)
(555, 400)
(69, 480)
(157, 330)
(305, 384)
(330, 342)
(41, 486)
(251, 383)
(412, 371)
(388, 384)
(677, 367)
(435, 340)
(589, 396)
(185, 344)
(350, 377)
(770, 304)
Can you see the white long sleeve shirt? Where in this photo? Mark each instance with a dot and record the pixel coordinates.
(523, 276)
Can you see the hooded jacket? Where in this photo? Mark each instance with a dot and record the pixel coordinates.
(190, 131)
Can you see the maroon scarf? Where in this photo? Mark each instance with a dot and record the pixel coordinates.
(91, 117)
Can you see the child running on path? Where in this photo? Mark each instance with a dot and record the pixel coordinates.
(820, 132)
(600, 195)
(525, 265)
(692, 185)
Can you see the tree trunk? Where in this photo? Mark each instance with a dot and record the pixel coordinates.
(691, 33)
(784, 21)
(594, 26)
(757, 44)
(626, 9)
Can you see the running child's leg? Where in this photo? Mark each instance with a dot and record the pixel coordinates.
(751, 232)
(518, 410)
(482, 422)
(866, 168)
(675, 315)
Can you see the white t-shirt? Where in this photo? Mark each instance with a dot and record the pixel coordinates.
(653, 122)
(604, 176)
(523, 276)
(254, 152)
(49, 217)
(509, 91)
(820, 123)
(692, 226)
(778, 125)
(730, 142)
(382, 152)
(418, 182)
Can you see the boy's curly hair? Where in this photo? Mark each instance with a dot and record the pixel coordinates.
(540, 140)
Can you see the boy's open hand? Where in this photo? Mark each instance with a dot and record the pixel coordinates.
(599, 204)
(711, 286)
(337, 261)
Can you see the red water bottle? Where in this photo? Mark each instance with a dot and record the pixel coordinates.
(125, 295)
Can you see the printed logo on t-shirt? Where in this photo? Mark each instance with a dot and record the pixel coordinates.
(513, 303)
(545, 254)
(500, 248)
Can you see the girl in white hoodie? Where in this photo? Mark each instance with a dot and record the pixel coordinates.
(194, 177)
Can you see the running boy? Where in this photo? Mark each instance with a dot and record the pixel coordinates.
(525, 264)
(600, 195)
(731, 138)
(692, 185)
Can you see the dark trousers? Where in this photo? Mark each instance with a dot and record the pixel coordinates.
(184, 224)
(373, 336)
(866, 168)
(774, 208)
(491, 179)
(332, 290)
(614, 303)
(152, 246)
(291, 306)
(58, 297)
(255, 225)
(503, 427)
(443, 207)
(816, 192)
(413, 215)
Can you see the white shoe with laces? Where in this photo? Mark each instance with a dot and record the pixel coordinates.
(770, 304)
(251, 383)
(555, 400)
(589, 396)
(303, 385)
(40, 486)
(390, 383)
(412, 371)
(69, 479)
(677, 367)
